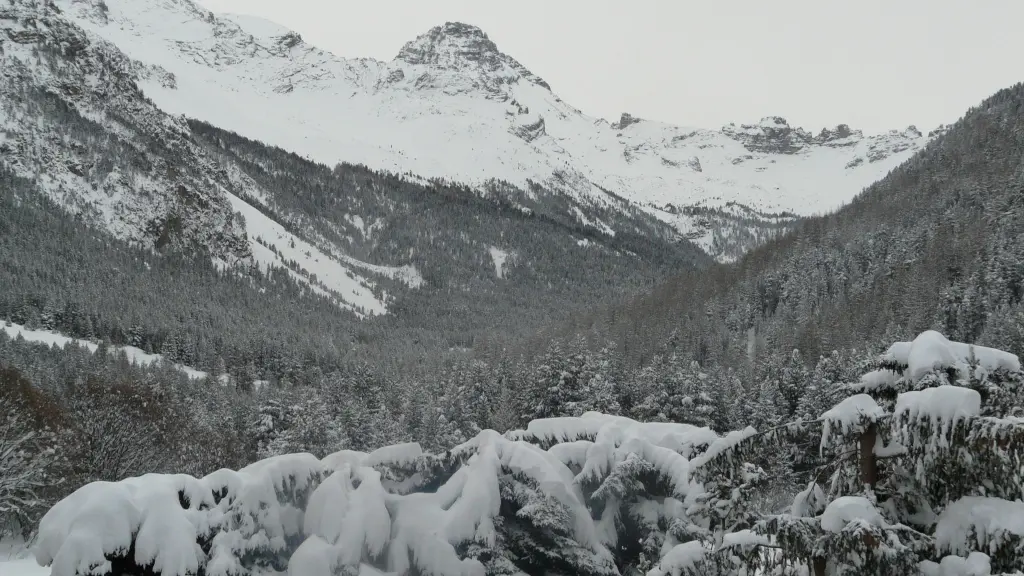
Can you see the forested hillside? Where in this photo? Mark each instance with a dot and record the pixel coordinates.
(936, 244)
(260, 323)
(507, 258)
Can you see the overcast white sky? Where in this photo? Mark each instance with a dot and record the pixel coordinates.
(873, 64)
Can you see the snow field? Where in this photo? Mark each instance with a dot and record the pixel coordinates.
(135, 355)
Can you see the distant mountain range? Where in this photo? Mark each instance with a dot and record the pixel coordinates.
(452, 106)
(444, 193)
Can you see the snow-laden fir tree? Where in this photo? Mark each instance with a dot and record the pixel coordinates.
(594, 495)
(920, 471)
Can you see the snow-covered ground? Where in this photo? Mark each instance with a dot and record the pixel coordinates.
(22, 567)
(451, 105)
(499, 257)
(273, 245)
(16, 560)
(134, 354)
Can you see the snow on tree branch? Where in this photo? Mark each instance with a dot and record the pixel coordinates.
(932, 351)
(850, 416)
(980, 523)
(23, 463)
(493, 502)
(940, 409)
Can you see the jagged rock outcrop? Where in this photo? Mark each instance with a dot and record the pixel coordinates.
(841, 135)
(530, 131)
(774, 135)
(625, 121)
(460, 57)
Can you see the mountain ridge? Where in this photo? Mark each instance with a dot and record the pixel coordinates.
(451, 105)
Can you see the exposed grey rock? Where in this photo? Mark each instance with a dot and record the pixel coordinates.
(841, 135)
(530, 132)
(289, 40)
(625, 121)
(772, 135)
(99, 147)
(456, 46)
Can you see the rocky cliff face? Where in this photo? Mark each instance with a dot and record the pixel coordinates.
(774, 135)
(73, 119)
(461, 56)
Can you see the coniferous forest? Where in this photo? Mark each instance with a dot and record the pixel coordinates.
(845, 398)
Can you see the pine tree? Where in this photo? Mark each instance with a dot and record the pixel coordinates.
(920, 467)
(601, 389)
(560, 382)
(823, 388)
(793, 382)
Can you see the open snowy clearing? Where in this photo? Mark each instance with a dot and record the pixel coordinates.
(499, 257)
(134, 354)
(16, 560)
(273, 245)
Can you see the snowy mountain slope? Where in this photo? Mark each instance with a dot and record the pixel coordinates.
(134, 355)
(73, 120)
(442, 238)
(451, 105)
(273, 245)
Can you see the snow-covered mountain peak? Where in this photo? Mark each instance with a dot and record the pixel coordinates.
(459, 58)
(450, 45)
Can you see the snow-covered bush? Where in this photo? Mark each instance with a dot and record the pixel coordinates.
(226, 523)
(595, 494)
